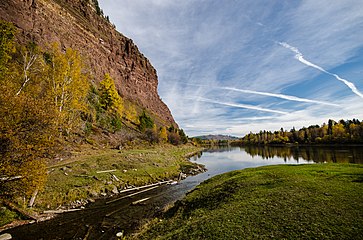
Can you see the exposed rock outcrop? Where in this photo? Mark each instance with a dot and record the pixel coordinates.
(78, 24)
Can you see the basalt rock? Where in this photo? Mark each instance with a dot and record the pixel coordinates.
(80, 25)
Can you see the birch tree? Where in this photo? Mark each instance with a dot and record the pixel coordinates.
(31, 64)
(69, 85)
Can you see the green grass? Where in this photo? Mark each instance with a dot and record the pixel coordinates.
(136, 167)
(7, 216)
(320, 201)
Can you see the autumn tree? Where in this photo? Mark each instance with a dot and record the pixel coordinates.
(131, 113)
(30, 60)
(69, 86)
(110, 99)
(163, 135)
(349, 131)
(27, 136)
(27, 126)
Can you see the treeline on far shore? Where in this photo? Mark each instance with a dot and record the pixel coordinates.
(341, 132)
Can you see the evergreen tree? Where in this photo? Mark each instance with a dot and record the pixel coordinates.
(145, 121)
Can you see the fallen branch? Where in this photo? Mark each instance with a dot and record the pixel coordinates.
(87, 233)
(61, 211)
(130, 195)
(140, 201)
(10, 178)
(84, 176)
(107, 171)
(32, 200)
(146, 186)
(114, 177)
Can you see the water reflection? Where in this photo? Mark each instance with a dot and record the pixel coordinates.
(225, 159)
(317, 154)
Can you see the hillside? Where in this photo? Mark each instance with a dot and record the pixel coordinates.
(80, 25)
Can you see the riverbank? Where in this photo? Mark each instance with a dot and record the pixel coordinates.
(317, 201)
(91, 174)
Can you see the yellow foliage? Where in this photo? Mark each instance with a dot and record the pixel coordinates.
(69, 85)
(37, 98)
(131, 113)
(163, 135)
(27, 133)
(110, 99)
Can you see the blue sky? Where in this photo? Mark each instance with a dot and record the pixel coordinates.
(235, 66)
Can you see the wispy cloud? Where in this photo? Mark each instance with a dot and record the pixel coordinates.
(282, 96)
(301, 58)
(269, 94)
(239, 105)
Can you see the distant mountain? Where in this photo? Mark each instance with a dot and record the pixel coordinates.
(217, 137)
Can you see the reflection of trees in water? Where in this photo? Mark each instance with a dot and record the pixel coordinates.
(212, 149)
(196, 156)
(309, 153)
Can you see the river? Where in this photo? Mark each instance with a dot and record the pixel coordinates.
(106, 217)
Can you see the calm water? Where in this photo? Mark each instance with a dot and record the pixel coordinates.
(102, 221)
(221, 160)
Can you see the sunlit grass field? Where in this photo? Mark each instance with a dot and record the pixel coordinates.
(318, 201)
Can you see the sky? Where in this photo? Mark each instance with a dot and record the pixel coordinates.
(235, 66)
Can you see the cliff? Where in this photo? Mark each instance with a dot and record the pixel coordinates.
(78, 24)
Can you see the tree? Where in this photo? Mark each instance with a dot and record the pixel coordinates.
(173, 138)
(131, 113)
(110, 99)
(27, 124)
(145, 122)
(339, 132)
(68, 85)
(27, 136)
(330, 126)
(183, 136)
(333, 132)
(163, 135)
(30, 63)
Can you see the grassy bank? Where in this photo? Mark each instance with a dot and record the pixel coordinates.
(93, 173)
(322, 201)
(97, 172)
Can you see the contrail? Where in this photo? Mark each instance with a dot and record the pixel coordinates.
(239, 105)
(301, 58)
(283, 96)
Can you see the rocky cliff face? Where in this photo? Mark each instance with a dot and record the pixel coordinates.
(76, 24)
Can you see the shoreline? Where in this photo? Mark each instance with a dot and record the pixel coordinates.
(187, 168)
